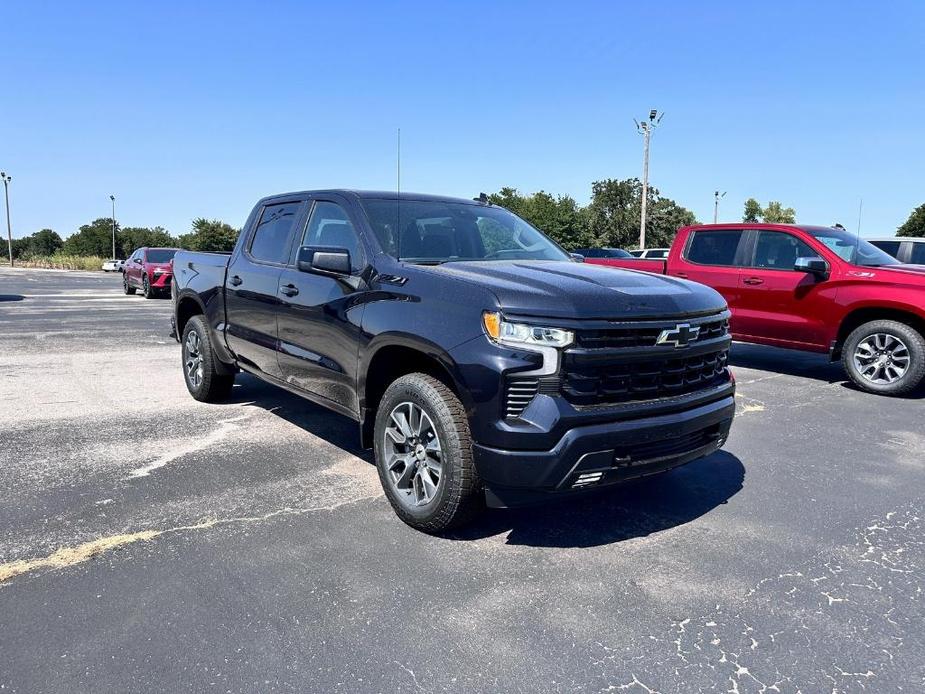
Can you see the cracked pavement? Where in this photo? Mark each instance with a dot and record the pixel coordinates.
(150, 542)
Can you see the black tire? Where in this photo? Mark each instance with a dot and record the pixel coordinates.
(459, 494)
(212, 385)
(126, 287)
(146, 287)
(908, 336)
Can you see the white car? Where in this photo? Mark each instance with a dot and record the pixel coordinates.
(113, 266)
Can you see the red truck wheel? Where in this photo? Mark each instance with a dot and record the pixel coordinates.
(886, 357)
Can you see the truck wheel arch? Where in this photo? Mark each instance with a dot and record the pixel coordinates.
(391, 360)
(187, 307)
(859, 316)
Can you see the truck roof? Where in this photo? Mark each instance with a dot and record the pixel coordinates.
(763, 225)
(378, 195)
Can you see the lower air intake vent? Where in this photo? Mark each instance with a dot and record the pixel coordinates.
(519, 393)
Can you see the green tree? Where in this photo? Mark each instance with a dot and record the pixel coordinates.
(664, 218)
(558, 217)
(210, 235)
(94, 238)
(915, 225)
(753, 211)
(41, 243)
(774, 213)
(131, 238)
(614, 212)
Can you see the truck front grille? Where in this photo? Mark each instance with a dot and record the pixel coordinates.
(645, 334)
(624, 364)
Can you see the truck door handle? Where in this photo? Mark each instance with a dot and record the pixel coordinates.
(289, 289)
(682, 275)
(236, 280)
(753, 280)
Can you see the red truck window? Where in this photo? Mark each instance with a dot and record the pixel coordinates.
(778, 250)
(714, 247)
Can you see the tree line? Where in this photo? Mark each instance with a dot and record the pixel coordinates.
(95, 239)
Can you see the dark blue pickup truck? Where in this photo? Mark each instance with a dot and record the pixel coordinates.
(482, 362)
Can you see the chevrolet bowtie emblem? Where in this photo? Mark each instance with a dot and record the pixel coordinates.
(680, 335)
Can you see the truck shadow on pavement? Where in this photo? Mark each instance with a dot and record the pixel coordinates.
(789, 362)
(622, 512)
(613, 514)
(785, 361)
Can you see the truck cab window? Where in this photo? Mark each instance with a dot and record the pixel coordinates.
(330, 227)
(779, 251)
(918, 253)
(271, 237)
(714, 247)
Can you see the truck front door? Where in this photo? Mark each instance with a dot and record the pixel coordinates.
(252, 284)
(777, 304)
(319, 318)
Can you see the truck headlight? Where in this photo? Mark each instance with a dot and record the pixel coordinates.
(522, 334)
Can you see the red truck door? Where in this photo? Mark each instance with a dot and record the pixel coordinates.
(712, 257)
(779, 305)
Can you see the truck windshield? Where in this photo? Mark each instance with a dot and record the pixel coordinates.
(851, 249)
(432, 232)
(161, 255)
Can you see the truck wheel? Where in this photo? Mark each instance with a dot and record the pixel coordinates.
(199, 364)
(146, 287)
(128, 289)
(885, 356)
(424, 455)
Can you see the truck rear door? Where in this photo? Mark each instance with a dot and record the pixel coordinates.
(252, 286)
(712, 257)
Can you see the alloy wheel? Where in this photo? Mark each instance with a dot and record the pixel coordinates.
(414, 457)
(882, 358)
(193, 358)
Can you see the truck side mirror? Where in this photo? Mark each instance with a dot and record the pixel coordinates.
(577, 257)
(324, 261)
(815, 266)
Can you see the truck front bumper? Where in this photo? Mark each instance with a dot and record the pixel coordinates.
(595, 455)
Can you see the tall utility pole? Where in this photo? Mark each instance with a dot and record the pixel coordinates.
(645, 128)
(113, 199)
(9, 229)
(716, 196)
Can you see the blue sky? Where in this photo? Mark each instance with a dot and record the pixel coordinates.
(197, 109)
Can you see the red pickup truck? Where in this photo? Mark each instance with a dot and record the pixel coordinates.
(810, 288)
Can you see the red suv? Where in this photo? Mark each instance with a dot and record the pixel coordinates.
(150, 270)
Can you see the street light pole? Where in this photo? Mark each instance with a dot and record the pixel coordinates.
(716, 196)
(113, 199)
(645, 128)
(9, 230)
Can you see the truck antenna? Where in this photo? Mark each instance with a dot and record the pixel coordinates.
(398, 191)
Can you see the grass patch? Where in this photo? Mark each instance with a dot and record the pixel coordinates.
(63, 262)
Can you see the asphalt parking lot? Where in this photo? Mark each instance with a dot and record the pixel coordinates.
(152, 543)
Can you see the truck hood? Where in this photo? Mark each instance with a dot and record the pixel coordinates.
(560, 289)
